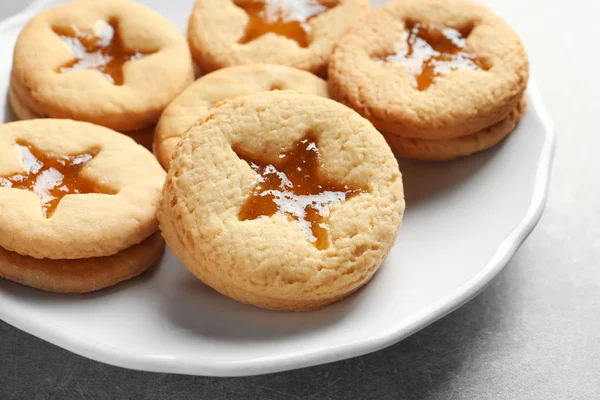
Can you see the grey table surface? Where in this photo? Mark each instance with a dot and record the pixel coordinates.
(533, 334)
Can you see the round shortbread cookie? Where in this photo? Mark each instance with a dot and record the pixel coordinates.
(114, 63)
(375, 71)
(113, 209)
(272, 261)
(448, 149)
(82, 275)
(224, 33)
(193, 103)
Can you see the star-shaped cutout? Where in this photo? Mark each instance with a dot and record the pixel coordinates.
(429, 53)
(102, 50)
(52, 177)
(294, 187)
(287, 18)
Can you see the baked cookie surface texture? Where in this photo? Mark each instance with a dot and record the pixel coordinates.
(432, 70)
(114, 63)
(299, 33)
(193, 103)
(75, 197)
(283, 200)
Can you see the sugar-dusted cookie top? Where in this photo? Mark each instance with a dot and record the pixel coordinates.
(430, 69)
(74, 190)
(114, 63)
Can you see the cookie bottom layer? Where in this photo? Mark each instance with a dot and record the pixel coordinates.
(142, 136)
(81, 275)
(444, 150)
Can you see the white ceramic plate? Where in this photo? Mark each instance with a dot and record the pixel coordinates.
(464, 221)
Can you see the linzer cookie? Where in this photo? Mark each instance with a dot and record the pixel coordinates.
(114, 63)
(75, 199)
(283, 200)
(299, 33)
(439, 78)
(220, 85)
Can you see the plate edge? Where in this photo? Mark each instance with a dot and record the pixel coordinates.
(165, 364)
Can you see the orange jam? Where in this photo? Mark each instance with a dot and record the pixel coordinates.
(102, 50)
(51, 177)
(431, 52)
(288, 18)
(293, 186)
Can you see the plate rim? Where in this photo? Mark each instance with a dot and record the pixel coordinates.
(62, 337)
